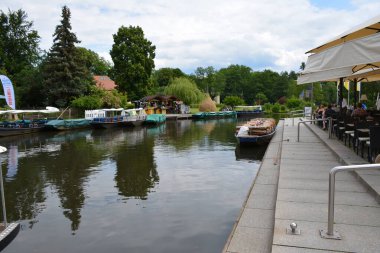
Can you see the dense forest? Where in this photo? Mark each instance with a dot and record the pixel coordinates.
(63, 75)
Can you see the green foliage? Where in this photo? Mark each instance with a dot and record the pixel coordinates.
(294, 103)
(133, 56)
(261, 98)
(186, 90)
(276, 108)
(233, 101)
(65, 74)
(100, 98)
(95, 64)
(209, 80)
(164, 76)
(18, 42)
(282, 108)
(88, 102)
(238, 82)
(267, 107)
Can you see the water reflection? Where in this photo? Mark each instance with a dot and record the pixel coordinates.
(136, 170)
(69, 178)
(250, 153)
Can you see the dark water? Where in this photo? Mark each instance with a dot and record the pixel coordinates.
(173, 188)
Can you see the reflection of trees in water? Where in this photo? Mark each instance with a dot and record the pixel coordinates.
(68, 172)
(25, 194)
(193, 132)
(66, 168)
(136, 171)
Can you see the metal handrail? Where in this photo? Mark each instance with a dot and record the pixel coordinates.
(314, 120)
(330, 233)
(296, 113)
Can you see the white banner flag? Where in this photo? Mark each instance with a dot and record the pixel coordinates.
(8, 91)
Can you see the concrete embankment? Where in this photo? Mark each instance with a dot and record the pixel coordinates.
(296, 175)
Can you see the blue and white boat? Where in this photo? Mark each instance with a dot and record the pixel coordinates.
(247, 111)
(256, 131)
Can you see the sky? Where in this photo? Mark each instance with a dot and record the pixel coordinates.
(262, 34)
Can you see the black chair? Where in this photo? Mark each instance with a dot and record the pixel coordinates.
(348, 129)
(374, 142)
(357, 134)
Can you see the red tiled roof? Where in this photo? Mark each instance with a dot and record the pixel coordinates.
(104, 82)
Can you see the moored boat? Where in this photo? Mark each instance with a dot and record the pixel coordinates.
(105, 118)
(67, 124)
(24, 126)
(248, 111)
(256, 131)
(155, 119)
(212, 115)
(134, 117)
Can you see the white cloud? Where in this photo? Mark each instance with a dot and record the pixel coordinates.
(260, 34)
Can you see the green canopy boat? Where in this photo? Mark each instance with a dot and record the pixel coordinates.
(67, 124)
(155, 118)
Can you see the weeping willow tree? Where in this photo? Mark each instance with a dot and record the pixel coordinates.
(185, 90)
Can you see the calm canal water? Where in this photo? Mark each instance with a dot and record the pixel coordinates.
(173, 188)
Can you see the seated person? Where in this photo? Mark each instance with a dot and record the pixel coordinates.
(329, 112)
(359, 111)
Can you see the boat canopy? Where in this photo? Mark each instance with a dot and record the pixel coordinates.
(248, 107)
(49, 109)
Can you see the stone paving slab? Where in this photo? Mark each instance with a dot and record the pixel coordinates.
(261, 202)
(320, 174)
(248, 240)
(257, 218)
(363, 239)
(284, 249)
(344, 214)
(313, 196)
(310, 184)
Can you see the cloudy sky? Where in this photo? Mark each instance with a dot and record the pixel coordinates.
(273, 34)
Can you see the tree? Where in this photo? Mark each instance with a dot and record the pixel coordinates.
(261, 98)
(238, 80)
(19, 56)
(164, 76)
(185, 90)
(209, 80)
(95, 64)
(18, 42)
(133, 56)
(65, 74)
(233, 101)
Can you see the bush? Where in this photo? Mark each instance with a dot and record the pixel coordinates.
(207, 105)
(267, 107)
(276, 108)
(294, 103)
(233, 101)
(282, 108)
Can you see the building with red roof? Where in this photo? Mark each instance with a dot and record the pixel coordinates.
(104, 82)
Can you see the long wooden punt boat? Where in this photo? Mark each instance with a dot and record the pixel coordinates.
(25, 126)
(256, 131)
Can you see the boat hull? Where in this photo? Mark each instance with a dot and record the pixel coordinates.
(4, 131)
(8, 234)
(255, 139)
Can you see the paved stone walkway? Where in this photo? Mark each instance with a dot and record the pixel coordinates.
(301, 196)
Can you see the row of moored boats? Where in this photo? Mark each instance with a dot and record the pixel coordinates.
(101, 118)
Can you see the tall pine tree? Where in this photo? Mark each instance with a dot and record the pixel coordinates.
(65, 75)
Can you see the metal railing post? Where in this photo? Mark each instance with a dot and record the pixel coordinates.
(313, 120)
(3, 149)
(330, 233)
